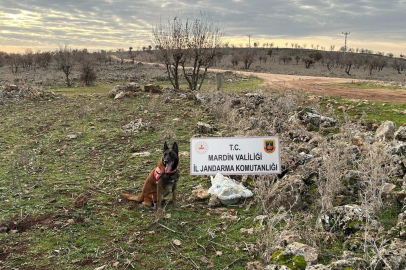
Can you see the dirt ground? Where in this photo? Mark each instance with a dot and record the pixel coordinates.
(325, 86)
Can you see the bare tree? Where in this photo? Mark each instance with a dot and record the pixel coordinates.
(132, 54)
(184, 42)
(65, 59)
(399, 65)
(297, 58)
(248, 57)
(14, 60)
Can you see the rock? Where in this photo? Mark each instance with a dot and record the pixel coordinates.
(199, 99)
(309, 253)
(386, 131)
(399, 149)
(311, 116)
(357, 140)
(400, 134)
(276, 267)
(155, 89)
(318, 267)
(289, 192)
(341, 108)
(184, 154)
(177, 242)
(319, 120)
(113, 92)
(400, 195)
(348, 218)
(135, 126)
(72, 136)
(214, 201)
(281, 258)
(401, 225)
(204, 128)
(199, 193)
(120, 95)
(255, 99)
(352, 263)
(388, 188)
(133, 87)
(257, 265)
(141, 154)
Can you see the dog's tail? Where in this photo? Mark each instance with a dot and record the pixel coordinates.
(132, 197)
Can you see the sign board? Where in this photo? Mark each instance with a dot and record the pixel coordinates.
(232, 156)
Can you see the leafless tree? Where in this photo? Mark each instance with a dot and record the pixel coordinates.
(2, 58)
(184, 42)
(399, 65)
(14, 60)
(285, 59)
(65, 59)
(297, 58)
(248, 57)
(262, 58)
(269, 53)
(132, 54)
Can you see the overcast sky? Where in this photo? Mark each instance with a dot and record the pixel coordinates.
(108, 24)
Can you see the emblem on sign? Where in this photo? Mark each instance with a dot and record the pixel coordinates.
(269, 146)
(201, 147)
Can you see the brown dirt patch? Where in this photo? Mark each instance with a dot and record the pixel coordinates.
(324, 86)
(46, 220)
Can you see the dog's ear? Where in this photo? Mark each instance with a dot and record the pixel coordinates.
(175, 147)
(166, 146)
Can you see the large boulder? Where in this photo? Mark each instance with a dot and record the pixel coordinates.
(386, 131)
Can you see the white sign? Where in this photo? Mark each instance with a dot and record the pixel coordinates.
(231, 156)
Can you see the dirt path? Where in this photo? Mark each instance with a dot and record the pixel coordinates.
(325, 86)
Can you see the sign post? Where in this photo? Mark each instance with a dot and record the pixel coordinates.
(235, 156)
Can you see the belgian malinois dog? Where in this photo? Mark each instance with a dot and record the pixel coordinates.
(161, 180)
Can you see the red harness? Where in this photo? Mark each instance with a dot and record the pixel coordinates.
(158, 173)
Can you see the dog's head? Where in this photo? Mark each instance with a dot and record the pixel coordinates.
(170, 157)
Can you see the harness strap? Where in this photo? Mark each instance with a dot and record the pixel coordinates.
(158, 173)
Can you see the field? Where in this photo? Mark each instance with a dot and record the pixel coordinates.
(44, 170)
(71, 145)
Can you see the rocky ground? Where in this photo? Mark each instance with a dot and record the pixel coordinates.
(338, 204)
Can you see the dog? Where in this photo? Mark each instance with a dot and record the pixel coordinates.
(161, 181)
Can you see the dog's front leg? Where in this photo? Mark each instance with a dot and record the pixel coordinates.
(159, 192)
(174, 194)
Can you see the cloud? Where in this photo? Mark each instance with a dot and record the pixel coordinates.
(124, 23)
